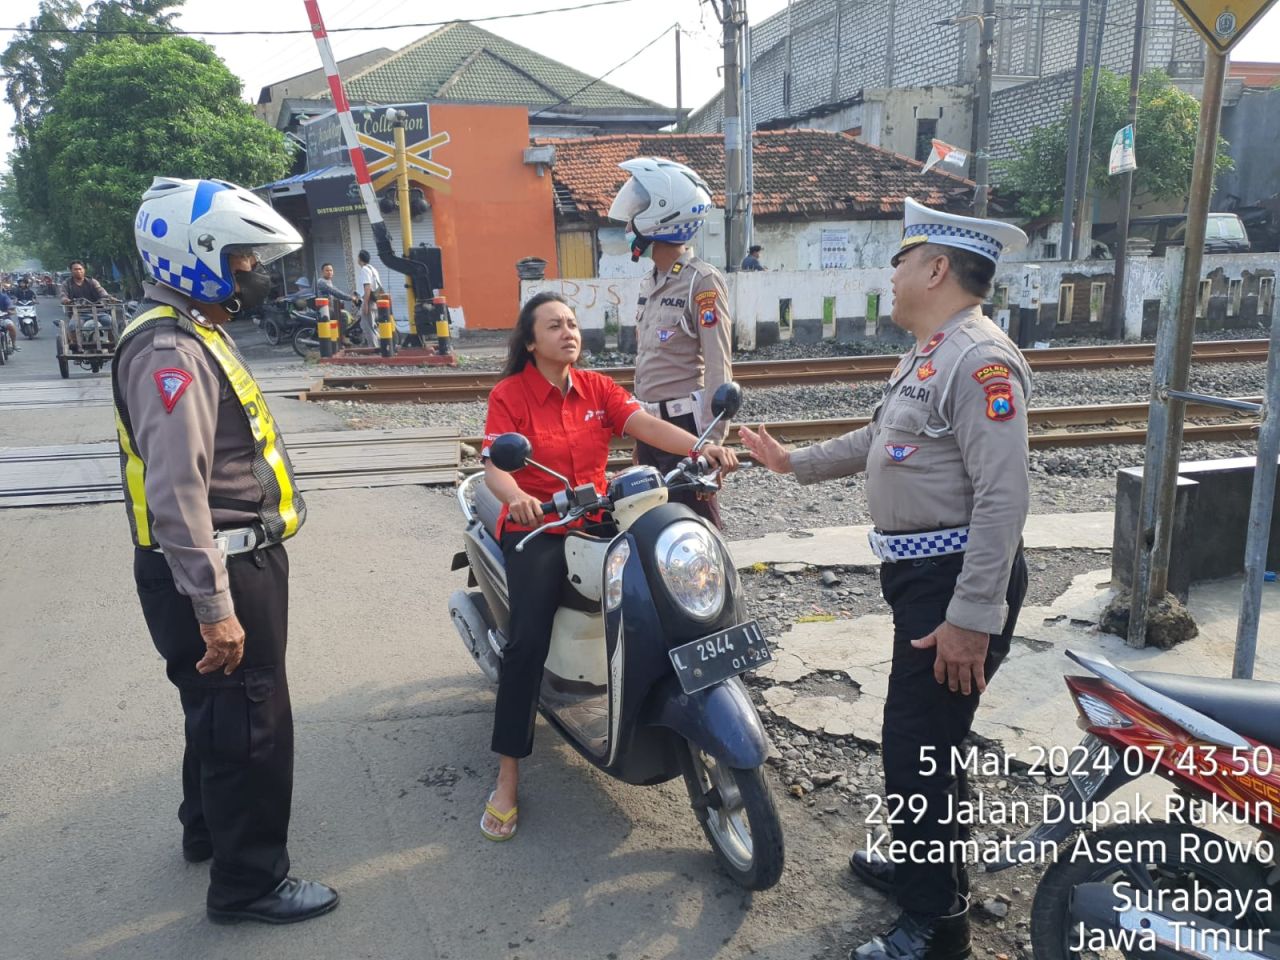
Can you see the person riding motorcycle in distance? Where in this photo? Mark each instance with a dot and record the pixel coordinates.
(81, 287)
(569, 416)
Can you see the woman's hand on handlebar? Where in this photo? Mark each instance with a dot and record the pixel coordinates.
(525, 510)
(721, 457)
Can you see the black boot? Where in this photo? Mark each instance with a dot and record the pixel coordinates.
(913, 937)
(876, 872)
(873, 869)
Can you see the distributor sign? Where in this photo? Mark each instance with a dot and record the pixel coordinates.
(1223, 22)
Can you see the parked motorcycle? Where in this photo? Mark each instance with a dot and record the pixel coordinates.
(289, 313)
(1159, 884)
(306, 338)
(27, 322)
(642, 678)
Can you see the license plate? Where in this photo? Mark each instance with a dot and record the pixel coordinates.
(722, 655)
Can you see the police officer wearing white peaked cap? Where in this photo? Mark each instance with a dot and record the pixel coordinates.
(948, 490)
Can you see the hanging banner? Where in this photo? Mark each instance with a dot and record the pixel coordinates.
(949, 158)
(1123, 159)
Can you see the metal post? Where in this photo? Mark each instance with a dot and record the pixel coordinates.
(1146, 538)
(386, 328)
(679, 87)
(1260, 509)
(734, 247)
(748, 143)
(406, 223)
(982, 141)
(1126, 184)
(1073, 137)
(1084, 235)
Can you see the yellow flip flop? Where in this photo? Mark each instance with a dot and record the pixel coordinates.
(502, 818)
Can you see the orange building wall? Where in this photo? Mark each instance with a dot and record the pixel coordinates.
(498, 211)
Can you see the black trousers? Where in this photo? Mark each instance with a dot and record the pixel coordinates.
(535, 578)
(924, 719)
(708, 508)
(237, 771)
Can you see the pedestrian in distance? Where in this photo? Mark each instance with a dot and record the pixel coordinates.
(948, 490)
(569, 416)
(369, 286)
(752, 260)
(211, 496)
(684, 347)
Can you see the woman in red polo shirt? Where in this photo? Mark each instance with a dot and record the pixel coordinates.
(569, 416)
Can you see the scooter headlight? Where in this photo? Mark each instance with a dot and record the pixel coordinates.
(691, 569)
(613, 566)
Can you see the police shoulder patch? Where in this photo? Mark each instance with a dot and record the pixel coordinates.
(172, 384)
(932, 345)
(999, 401)
(706, 306)
(991, 371)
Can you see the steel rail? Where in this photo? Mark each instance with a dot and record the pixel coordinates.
(462, 387)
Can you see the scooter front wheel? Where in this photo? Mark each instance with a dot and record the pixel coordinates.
(738, 816)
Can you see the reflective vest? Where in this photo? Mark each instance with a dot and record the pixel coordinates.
(282, 510)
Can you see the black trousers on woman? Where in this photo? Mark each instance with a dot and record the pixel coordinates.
(535, 578)
(237, 771)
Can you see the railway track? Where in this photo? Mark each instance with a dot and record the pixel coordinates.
(461, 386)
(1049, 426)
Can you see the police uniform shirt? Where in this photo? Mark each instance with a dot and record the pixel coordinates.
(195, 439)
(683, 336)
(947, 447)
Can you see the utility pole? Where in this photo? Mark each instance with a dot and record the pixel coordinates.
(734, 225)
(1073, 137)
(982, 145)
(1081, 246)
(1126, 184)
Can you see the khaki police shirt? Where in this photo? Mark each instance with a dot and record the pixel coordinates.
(947, 447)
(199, 456)
(683, 336)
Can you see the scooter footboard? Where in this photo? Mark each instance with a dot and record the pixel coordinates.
(721, 720)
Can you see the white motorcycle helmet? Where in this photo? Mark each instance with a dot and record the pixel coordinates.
(663, 200)
(185, 230)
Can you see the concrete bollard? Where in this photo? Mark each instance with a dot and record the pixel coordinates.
(442, 325)
(386, 328)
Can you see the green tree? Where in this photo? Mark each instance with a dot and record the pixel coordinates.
(126, 112)
(1164, 141)
(36, 60)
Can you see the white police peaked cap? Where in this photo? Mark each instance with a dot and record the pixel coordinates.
(987, 238)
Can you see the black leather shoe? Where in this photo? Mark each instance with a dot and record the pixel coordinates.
(873, 870)
(913, 937)
(292, 901)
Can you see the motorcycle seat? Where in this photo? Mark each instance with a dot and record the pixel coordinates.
(1249, 707)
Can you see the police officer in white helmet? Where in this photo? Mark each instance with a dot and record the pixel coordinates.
(683, 328)
(210, 496)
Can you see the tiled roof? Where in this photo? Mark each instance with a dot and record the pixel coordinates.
(461, 62)
(811, 173)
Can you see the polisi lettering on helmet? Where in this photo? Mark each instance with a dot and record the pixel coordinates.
(664, 201)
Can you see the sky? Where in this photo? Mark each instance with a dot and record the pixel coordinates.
(593, 41)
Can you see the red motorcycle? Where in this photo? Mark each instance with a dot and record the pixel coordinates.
(1191, 873)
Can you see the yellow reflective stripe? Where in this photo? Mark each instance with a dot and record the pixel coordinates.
(135, 476)
(260, 421)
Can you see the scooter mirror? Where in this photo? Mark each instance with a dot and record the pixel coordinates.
(727, 400)
(510, 452)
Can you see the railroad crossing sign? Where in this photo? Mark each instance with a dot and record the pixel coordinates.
(1223, 22)
(417, 156)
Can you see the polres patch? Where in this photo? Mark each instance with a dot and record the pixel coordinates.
(706, 307)
(1000, 401)
(899, 451)
(172, 384)
(992, 371)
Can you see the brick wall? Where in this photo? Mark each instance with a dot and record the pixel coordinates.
(1017, 111)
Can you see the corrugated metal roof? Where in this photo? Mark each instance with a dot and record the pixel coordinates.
(293, 185)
